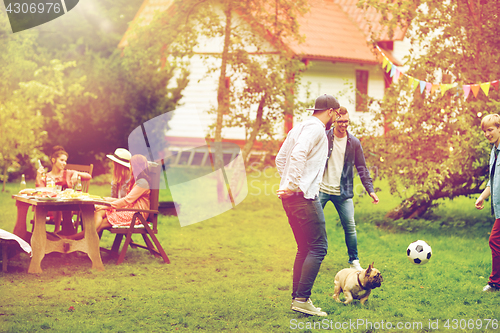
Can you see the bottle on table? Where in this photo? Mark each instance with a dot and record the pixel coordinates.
(22, 185)
(43, 177)
(78, 184)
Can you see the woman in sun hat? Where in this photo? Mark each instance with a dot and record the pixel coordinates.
(137, 198)
(121, 172)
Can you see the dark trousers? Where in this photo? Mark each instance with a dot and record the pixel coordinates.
(308, 225)
(495, 253)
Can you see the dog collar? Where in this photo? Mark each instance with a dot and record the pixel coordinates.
(359, 281)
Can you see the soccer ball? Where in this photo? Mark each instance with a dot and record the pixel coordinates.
(419, 252)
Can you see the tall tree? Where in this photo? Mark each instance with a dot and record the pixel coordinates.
(128, 86)
(27, 88)
(434, 144)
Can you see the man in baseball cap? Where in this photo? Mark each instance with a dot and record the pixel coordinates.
(323, 103)
(300, 163)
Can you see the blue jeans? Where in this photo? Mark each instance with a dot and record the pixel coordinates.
(308, 225)
(345, 209)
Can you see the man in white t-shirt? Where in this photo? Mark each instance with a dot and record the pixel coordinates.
(345, 152)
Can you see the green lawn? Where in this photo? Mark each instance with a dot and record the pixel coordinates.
(233, 273)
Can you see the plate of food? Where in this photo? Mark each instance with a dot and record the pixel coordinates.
(45, 195)
(28, 192)
(47, 199)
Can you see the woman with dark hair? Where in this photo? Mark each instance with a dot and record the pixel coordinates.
(61, 176)
(137, 198)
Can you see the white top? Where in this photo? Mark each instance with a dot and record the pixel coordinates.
(302, 157)
(333, 172)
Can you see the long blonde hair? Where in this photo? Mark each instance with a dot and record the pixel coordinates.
(120, 173)
(140, 169)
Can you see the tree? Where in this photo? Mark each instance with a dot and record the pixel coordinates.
(254, 55)
(26, 89)
(21, 119)
(256, 70)
(128, 86)
(434, 145)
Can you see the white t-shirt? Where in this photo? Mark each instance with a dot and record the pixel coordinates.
(333, 172)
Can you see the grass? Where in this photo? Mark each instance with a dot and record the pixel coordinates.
(233, 273)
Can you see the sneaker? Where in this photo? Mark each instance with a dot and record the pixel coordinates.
(307, 308)
(490, 288)
(355, 264)
(293, 299)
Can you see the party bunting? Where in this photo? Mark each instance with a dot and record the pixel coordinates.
(396, 73)
(415, 84)
(485, 87)
(434, 88)
(389, 66)
(384, 62)
(475, 89)
(428, 87)
(396, 76)
(445, 88)
(466, 89)
(495, 84)
(422, 86)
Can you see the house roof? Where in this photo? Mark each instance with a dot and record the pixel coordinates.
(368, 20)
(330, 34)
(334, 30)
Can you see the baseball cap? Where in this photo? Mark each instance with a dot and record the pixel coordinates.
(325, 102)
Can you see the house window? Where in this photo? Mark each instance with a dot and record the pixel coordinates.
(361, 90)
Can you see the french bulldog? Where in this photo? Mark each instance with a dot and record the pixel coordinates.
(356, 284)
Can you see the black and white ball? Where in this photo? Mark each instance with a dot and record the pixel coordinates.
(419, 252)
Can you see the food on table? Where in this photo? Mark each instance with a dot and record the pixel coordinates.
(45, 194)
(27, 191)
(66, 194)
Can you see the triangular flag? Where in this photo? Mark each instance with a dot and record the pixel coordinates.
(485, 87)
(415, 84)
(444, 88)
(389, 66)
(410, 80)
(434, 87)
(466, 89)
(396, 76)
(495, 84)
(422, 86)
(384, 62)
(475, 89)
(428, 87)
(393, 71)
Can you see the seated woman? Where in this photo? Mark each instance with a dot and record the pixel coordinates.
(137, 198)
(64, 178)
(121, 172)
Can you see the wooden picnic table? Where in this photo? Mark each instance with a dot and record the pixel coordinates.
(39, 242)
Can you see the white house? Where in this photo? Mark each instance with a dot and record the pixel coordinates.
(335, 50)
